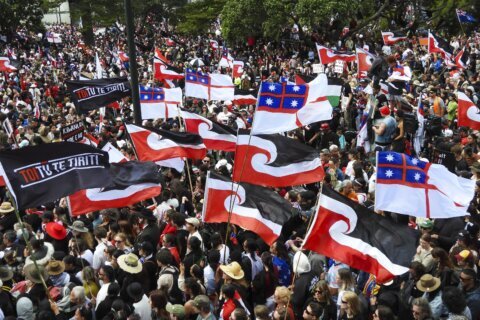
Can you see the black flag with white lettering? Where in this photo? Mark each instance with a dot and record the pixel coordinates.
(40, 174)
(94, 94)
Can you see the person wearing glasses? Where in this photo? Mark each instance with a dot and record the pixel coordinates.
(313, 311)
(122, 243)
(322, 296)
(421, 309)
(471, 289)
(350, 308)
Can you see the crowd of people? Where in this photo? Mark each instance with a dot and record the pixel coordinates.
(158, 260)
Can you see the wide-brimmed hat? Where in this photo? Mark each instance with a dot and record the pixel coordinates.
(135, 291)
(5, 274)
(55, 267)
(78, 226)
(56, 230)
(129, 263)
(233, 270)
(34, 275)
(6, 207)
(428, 283)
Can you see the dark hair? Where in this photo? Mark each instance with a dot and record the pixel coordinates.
(170, 239)
(178, 219)
(216, 239)
(109, 273)
(164, 256)
(194, 286)
(113, 289)
(197, 272)
(86, 312)
(251, 247)
(159, 300)
(442, 255)
(385, 313)
(240, 314)
(454, 299)
(195, 244)
(418, 268)
(470, 272)
(228, 290)
(10, 235)
(213, 257)
(100, 232)
(316, 308)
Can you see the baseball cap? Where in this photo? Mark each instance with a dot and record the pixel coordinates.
(176, 309)
(201, 301)
(463, 255)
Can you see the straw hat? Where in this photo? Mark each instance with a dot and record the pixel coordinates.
(129, 263)
(5, 274)
(55, 267)
(6, 207)
(233, 270)
(34, 275)
(428, 283)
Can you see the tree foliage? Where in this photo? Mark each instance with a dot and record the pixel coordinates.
(241, 19)
(16, 13)
(196, 18)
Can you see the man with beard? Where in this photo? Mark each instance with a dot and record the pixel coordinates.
(471, 288)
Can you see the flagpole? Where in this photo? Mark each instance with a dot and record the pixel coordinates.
(29, 245)
(182, 126)
(460, 22)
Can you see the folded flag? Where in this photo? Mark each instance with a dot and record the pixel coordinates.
(5, 65)
(244, 97)
(364, 62)
(407, 185)
(159, 102)
(157, 144)
(114, 155)
(162, 70)
(209, 86)
(349, 232)
(461, 60)
(439, 45)
(132, 182)
(465, 17)
(94, 94)
(327, 55)
(392, 37)
(468, 112)
(275, 161)
(285, 107)
(216, 136)
(40, 174)
(254, 208)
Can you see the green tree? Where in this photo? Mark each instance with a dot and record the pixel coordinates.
(196, 18)
(242, 18)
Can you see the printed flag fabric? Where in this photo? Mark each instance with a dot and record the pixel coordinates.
(348, 232)
(364, 62)
(157, 144)
(392, 37)
(465, 17)
(275, 161)
(226, 61)
(215, 136)
(237, 71)
(407, 185)
(162, 70)
(327, 55)
(94, 94)
(159, 102)
(213, 86)
(254, 208)
(244, 97)
(132, 182)
(5, 65)
(114, 155)
(285, 107)
(468, 112)
(333, 89)
(40, 174)
(439, 45)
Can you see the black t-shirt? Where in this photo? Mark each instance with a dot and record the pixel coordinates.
(347, 89)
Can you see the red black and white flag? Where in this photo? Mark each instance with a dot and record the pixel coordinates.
(364, 62)
(5, 65)
(215, 136)
(162, 70)
(328, 55)
(303, 79)
(254, 208)
(349, 232)
(468, 112)
(461, 60)
(132, 182)
(392, 37)
(157, 144)
(275, 161)
(439, 45)
(244, 97)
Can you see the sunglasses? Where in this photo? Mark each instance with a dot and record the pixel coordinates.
(118, 241)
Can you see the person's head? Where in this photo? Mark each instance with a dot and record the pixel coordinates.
(88, 274)
(249, 245)
(158, 300)
(100, 233)
(213, 258)
(313, 311)
(421, 309)
(169, 240)
(77, 295)
(454, 299)
(261, 312)
(106, 274)
(84, 313)
(417, 270)
(425, 241)
(345, 279)
(121, 241)
(306, 199)
(392, 61)
(322, 292)
(164, 257)
(202, 304)
(441, 257)
(383, 313)
(281, 295)
(194, 244)
(281, 314)
(192, 224)
(239, 314)
(350, 303)
(468, 279)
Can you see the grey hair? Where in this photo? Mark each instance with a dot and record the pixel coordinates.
(79, 293)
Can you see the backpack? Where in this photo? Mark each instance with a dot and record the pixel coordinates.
(410, 123)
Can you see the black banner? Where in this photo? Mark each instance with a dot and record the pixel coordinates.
(40, 174)
(94, 94)
(444, 158)
(73, 132)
